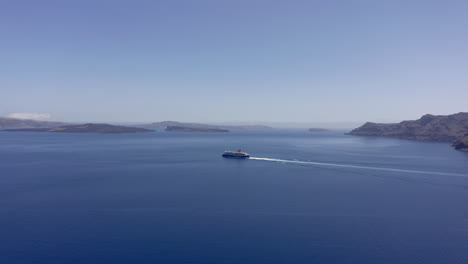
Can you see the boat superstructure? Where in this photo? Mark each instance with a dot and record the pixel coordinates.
(235, 154)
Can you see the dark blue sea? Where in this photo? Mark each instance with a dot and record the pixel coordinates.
(171, 198)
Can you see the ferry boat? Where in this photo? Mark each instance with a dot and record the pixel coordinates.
(235, 154)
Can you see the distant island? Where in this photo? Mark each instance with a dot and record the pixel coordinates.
(164, 124)
(314, 129)
(6, 122)
(442, 128)
(15, 123)
(85, 128)
(193, 129)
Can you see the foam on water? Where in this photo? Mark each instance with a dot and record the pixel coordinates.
(360, 167)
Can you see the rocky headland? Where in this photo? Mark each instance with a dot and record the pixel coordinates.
(462, 143)
(442, 128)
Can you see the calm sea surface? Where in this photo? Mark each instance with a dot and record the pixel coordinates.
(170, 198)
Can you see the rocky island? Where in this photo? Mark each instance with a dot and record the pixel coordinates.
(193, 129)
(442, 128)
(165, 124)
(85, 128)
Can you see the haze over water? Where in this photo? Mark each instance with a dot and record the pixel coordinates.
(170, 198)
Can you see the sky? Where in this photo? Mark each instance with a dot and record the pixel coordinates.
(239, 60)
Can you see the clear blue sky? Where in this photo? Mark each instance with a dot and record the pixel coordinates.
(239, 60)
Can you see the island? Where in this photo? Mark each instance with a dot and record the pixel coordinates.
(164, 124)
(314, 129)
(441, 128)
(7, 123)
(193, 129)
(85, 128)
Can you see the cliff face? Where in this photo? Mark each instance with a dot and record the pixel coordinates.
(462, 144)
(428, 128)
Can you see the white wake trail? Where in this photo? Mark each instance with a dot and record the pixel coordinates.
(360, 167)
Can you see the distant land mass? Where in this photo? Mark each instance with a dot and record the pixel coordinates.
(316, 129)
(15, 123)
(442, 128)
(85, 128)
(193, 129)
(6, 122)
(164, 124)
